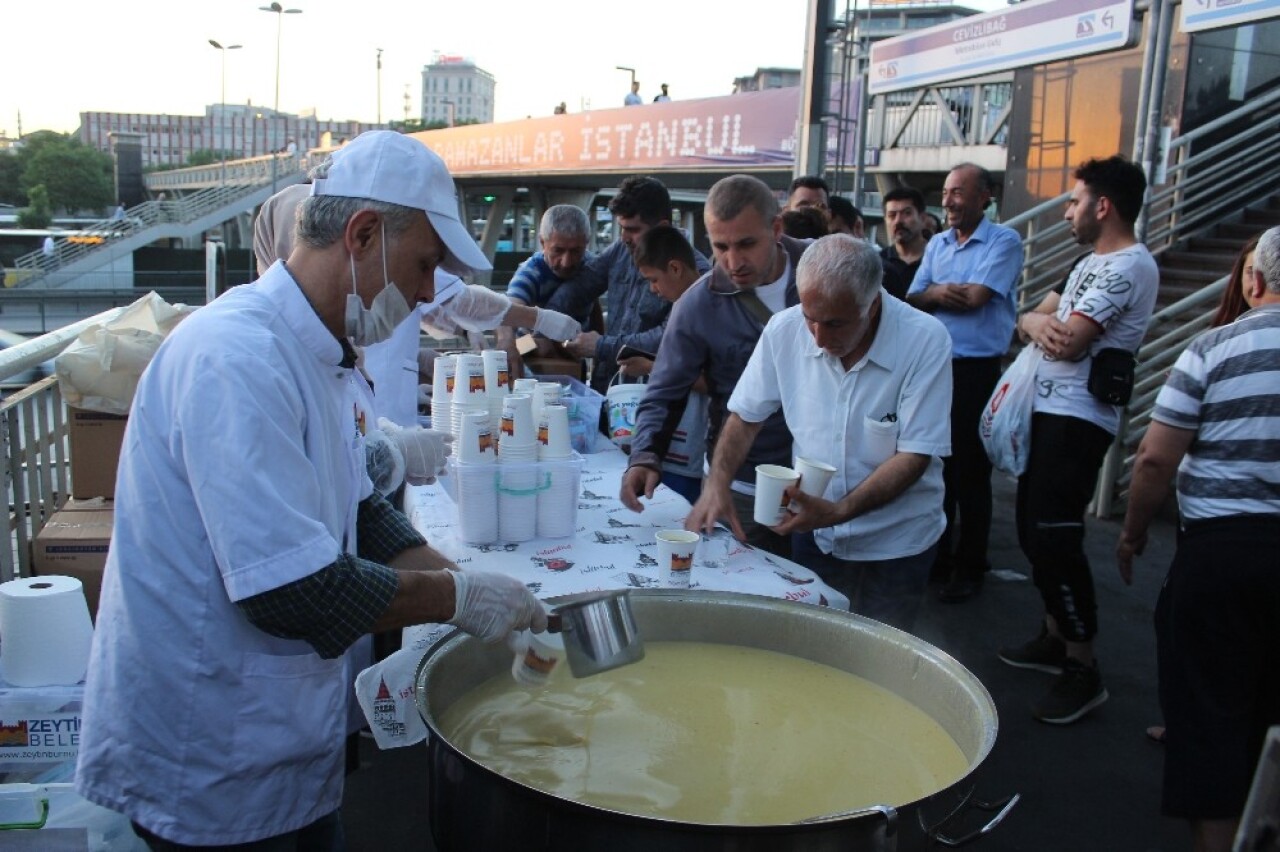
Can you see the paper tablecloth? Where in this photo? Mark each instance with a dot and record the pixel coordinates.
(612, 548)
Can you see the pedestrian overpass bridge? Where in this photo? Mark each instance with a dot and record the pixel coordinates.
(509, 172)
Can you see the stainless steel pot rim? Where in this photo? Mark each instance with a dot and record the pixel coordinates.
(708, 597)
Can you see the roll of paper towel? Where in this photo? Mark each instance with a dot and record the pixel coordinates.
(45, 631)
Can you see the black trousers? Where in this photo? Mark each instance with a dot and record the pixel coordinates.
(966, 473)
(1062, 470)
(1217, 641)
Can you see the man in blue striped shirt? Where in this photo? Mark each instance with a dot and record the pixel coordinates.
(1216, 425)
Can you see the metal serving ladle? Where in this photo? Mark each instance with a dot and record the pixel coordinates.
(599, 631)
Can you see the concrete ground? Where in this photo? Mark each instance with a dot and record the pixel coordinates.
(1094, 785)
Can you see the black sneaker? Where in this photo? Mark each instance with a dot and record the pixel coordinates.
(1044, 653)
(1075, 692)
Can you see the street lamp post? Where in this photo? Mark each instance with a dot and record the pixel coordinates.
(279, 11)
(222, 104)
(379, 86)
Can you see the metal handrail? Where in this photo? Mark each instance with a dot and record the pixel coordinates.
(24, 356)
(137, 220)
(33, 427)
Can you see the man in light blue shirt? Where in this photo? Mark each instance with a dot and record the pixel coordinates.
(967, 280)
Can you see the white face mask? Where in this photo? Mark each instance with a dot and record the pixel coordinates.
(376, 323)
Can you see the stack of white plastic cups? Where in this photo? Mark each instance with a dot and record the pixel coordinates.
(559, 486)
(469, 395)
(525, 385)
(477, 482)
(497, 383)
(518, 475)
(442, 393)
(544, 394)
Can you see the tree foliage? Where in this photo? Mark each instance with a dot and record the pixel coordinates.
(75, 176)
(38, 214)
(10, 180)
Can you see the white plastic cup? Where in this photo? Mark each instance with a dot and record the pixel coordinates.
(517, 501)
(557, 502)
(713, 552)
(477, 490)
(772, 481)
(497, 378)
(442, 376)
(517, 420)
(468, 383)
(543, 653)
(524, 386)
(675, 556)
(553, 433)
(814, 476)
(475, 443)
(544, 394)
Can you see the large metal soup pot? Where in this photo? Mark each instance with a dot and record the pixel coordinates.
(475, 808)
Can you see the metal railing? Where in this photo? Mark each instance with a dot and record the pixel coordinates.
(67, 251)
(1202, 188)
(251, 171)
(1207, 184)
(33, 426)
(976, 113)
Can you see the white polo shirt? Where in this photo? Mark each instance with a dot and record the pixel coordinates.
(896, 399)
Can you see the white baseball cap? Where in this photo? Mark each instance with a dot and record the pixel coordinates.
(382, 165)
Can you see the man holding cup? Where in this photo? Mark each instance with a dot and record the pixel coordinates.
(865, 385)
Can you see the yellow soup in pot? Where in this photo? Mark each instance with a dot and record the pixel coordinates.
(709, 733)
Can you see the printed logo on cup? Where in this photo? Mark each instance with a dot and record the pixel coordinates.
(542, 433)
(504, 377)
(681, 563)
(508, 424)
(541, 665)
(475, 384)
(486, 441)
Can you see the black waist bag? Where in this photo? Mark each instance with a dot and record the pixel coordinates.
(1111, 376)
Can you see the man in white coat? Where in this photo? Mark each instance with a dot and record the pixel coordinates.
(249, 549)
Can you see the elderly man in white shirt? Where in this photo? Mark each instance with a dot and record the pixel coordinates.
(865, 385)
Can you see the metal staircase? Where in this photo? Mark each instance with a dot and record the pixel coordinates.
(76, 257)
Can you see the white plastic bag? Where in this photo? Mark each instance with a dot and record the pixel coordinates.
(100, 370)
(1005, 426)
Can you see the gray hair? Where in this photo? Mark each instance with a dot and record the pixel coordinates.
(323, 218)
(730, 196)
(566, 221)
(839, 264)
(1266, 259)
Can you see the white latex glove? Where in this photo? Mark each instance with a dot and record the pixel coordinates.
(491, 606)
(384, 462)
(477, 308)
(557, 326)
(424, 450)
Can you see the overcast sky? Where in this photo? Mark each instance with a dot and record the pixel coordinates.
(153, 56)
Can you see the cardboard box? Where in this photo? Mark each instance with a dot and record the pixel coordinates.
(74, 544)
(96, 439)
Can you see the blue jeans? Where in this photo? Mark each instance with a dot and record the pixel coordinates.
(888, 590)
(323, 835)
